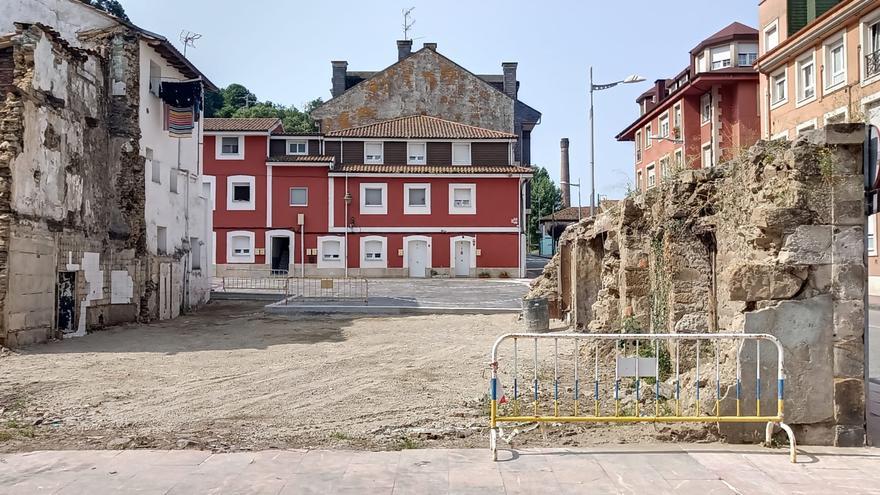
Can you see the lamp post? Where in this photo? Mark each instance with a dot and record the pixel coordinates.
(599, 87)
(578, 186)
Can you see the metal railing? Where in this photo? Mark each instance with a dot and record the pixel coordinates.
(327, 288)
(670, 364)
(872, 63)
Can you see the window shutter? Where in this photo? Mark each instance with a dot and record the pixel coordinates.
(797, 15)
(823, 6)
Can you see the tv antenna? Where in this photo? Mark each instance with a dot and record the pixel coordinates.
(188, 38)
(408, 22)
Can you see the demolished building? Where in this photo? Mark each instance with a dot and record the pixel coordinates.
(103, 217)
(771, 242)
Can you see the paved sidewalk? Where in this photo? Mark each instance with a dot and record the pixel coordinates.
(697, 469)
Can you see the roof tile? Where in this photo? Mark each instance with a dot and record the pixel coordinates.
(264, 124)
(432, 169)
(420, 127)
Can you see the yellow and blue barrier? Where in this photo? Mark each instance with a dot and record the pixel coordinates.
(634, 367)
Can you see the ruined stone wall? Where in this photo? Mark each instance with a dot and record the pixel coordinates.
(771, 242)
(424, 83)
(63, 168)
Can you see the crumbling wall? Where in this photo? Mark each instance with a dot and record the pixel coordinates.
(771, 242)
(62, 201)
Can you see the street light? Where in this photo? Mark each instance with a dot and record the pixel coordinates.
(578, 186)
(599, 87)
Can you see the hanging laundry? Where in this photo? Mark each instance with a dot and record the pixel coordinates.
(180, 121)
(181, 94)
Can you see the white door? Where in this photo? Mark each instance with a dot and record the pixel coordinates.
(417, 258)
(462, 258)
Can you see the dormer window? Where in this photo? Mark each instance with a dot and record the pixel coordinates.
(746, 54)
(297, 147)
(720, 57)
(461, 153)
(373, 153)
(416, 153)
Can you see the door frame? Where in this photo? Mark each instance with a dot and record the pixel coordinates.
(428, 265)
(473, 260)
(280, 233)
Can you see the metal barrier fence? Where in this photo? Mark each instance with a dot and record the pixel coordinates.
(249, 283)
(637, 359)
(328, 288)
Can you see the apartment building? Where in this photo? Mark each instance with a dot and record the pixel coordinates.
(820, 64)
(702, 115)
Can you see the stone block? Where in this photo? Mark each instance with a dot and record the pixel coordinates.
(848, 244)
(756, 282)
(807, 245)
(841, 134)
(636, 281)
(820, 277)
(815, 434)
(849, 359)
(848, 212)
(849, 401)
(767, 216)
(848, 280)
(849, 436)
(849, 320)
(691, 323)
(804, 328)
(848, 188)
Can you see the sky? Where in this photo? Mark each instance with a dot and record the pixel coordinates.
(281, 51)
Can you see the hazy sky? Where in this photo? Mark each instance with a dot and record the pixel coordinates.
(282, 51)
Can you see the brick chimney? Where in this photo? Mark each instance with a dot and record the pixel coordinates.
(564, 179)
(660, 85)
(340, 70)
(509, 78)
(404, 49)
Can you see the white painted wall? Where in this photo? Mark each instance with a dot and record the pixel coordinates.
(163, 207)
(67, 17)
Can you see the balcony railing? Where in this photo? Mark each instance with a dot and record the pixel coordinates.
(872, 63)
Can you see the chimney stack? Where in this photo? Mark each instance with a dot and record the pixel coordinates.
(430, 46)
(564, 179)
(340, 71)
(404, 49)
(509, 78)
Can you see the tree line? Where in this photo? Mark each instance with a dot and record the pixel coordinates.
(236, 101)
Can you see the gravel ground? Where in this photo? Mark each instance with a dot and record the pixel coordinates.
(232, 378)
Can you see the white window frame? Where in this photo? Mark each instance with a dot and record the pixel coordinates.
(740, 51)
(241, 205)
(210, 179)
(677, 117)
(240, 258)
(304, 142)
(374, 209)
(865, 38)
(373, 160)
(331, 263)
(409, 153)
(844, 110)
(648, 142)
(650, 174)
(805, 126)
(469, 154)
(663, 125)
(801, 91)
(638, 146)
(703, 149)
(678, 159)
(458, 210)
(774, 78)
(705, 101)
(828, 85)
(373, 262)
(417, 210)
(664, 166)
(721, 65)
(155, 80)
(218, 148)
(779, 135)
(639, 180)
(871, 235)
(290, 196)
(773, 26)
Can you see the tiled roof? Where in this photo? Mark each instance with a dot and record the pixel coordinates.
(420, 127)
(301, 158)
(734, 31)
(256, 124)
(432, 169)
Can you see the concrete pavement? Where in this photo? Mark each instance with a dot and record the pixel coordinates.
(655, 469)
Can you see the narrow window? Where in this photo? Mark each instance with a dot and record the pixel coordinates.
(373, 153)
(706, 108)
(835, 64)
(161, 241)
(806, 79)
(664, 126)
(461, 153)
(195, 251)
(779, 87)
(172, 180)
(652, 177)
(707, 156)
(771, 37)
(155, 167)
(416, 153)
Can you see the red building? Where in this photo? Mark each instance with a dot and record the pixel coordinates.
(703, 115)
(412, 196)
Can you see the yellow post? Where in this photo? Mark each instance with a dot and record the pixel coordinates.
(597, 408)
(757, 407)
(738, 413)
(717, 407)
(556, 408)
(493, 412)
(576, 406)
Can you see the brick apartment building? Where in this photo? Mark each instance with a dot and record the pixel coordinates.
(702, 115)
(820, 64)
(418, 169)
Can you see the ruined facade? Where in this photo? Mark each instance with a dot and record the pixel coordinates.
(771, 242)
(76, 247)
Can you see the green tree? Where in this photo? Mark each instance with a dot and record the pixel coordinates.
(112, 7)
(237, 101)
(546, 198)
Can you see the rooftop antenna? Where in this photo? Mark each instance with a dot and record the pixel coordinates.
(188, 38)
(408, 22)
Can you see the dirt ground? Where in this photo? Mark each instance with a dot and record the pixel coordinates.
(232, 378)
